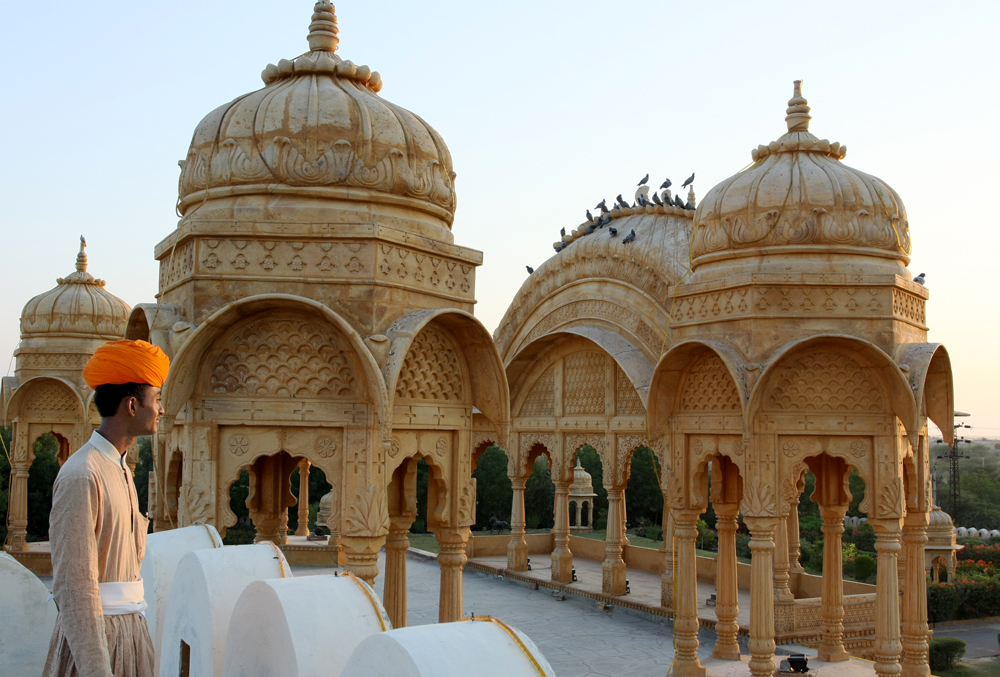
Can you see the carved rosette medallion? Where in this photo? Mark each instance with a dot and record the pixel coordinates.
(239, 444)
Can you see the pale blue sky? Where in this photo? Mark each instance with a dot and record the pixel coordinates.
(547, 108)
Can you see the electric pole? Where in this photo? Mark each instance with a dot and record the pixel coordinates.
(953, 456)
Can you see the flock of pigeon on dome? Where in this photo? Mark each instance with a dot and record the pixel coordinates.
(592, 225)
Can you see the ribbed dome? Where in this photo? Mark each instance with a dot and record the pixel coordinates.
(583, 483)
(941, 529)
(798, 197)
(318, 122)
(78, 306)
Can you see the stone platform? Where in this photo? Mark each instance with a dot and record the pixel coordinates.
(37, 557)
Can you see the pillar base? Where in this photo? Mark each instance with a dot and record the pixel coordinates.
(362, 556)
(688, 669)
(726, 652)
(517, 556)
(562, 567)
(614, 580)
(834, 655)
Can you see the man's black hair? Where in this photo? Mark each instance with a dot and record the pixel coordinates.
(108, 397)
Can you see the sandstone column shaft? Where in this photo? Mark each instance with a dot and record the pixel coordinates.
(303, 528)
(762, 596)
(17, 516)
(782, 593)
(667, 577)
(686, 663)
(727, 608)
(396, 544)
(562, 556)
(915, 648)
(794, 538)
(832, 646)
(614, 566)
(452, 559)
(517, 548)
(887, 642)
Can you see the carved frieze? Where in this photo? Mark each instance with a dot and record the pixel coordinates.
(708, 386)
(368, 516)
(50, 399)
(580, 310)
(432, 369)
(541, 399)
(584, 377)
(283, 357)
(825, 381)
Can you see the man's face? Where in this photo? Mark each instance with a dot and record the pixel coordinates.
(146, 412)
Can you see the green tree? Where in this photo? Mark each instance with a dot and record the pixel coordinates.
(539, 496)
(143, 467)
(419, 525)
(857, 487)
(494, 492)
(643, 499)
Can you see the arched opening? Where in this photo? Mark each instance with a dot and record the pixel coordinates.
(41, 476)
(539, 495)
(574, 510)
(318, 487)
(174, 480)
(585, 514)
(644, 500)
(494, 490)
(243, 532)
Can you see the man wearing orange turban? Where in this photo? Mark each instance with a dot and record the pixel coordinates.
(97, 534)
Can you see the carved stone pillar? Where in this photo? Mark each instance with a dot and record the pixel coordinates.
(562, 556)
(794, 537)
(782, 593)
(451, 558)
(727, 608)
(887, 642)
(361, 553)
(915, 648)
(270, 496)
(624, 515)
(614, 565)
(17, 514)
(396, 544)
(517, 548)
(686, 663)
(832, 606)
(761, 595)
(303, 528)
(667, 577)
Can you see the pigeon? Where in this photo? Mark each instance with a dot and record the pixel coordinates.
(530, 270)
(590, 216)
(621, 201)
(688, 206)
(657, 200)
(689, 181)
(562, 232)
(666, 184)
(644, 180)
(629, 237)
(617, 207)
(602, 205)
(919, 279)
(603, 221)
(678, 202)
(613, 231)
(643, 201)
(590, 229)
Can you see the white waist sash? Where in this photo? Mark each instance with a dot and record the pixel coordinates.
(122, 598)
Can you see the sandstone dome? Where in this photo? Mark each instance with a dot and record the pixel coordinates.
(319, 130)
(78, 307)
(799, 199)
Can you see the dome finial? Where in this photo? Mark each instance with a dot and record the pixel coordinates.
(323, 29)
(81, 258)
(797, 115)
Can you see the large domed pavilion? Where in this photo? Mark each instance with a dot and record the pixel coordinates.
(319, 315)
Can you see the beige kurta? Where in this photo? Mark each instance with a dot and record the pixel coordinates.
(97, 536)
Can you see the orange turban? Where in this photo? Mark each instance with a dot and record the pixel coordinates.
(118, 362)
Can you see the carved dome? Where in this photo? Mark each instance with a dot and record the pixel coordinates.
(79, 306)
(941, 529)
(797, 197)
(319, 125)
(583, 483)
